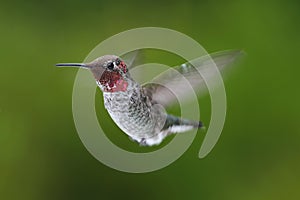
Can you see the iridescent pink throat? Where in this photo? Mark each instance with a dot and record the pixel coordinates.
(113, 80)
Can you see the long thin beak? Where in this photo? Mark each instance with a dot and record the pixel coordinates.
(81, 65)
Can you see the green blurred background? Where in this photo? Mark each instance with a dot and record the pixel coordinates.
(41, 155)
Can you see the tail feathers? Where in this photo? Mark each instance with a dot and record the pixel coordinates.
(178, 125)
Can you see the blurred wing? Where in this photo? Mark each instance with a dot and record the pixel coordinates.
(177, 82)
(132, 58)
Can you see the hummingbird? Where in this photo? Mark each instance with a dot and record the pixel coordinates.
(138, 110)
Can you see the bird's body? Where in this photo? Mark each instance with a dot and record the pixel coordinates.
(137, 109)
(131, 111)
(136, 115)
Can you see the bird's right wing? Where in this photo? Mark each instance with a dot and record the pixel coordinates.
(174, 83)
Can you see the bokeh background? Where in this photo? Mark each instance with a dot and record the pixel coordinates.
(41, 155)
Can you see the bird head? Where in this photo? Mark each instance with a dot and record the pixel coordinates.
(109, 72)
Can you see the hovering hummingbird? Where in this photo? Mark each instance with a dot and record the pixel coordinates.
(138, 110)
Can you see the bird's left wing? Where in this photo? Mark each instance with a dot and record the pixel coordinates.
(177, 82)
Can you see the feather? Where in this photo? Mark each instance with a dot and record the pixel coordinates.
(178, 82)
(132, 58)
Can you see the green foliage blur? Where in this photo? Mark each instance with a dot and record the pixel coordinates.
(41, 155)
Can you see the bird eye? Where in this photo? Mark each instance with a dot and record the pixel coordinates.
(110, 66)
